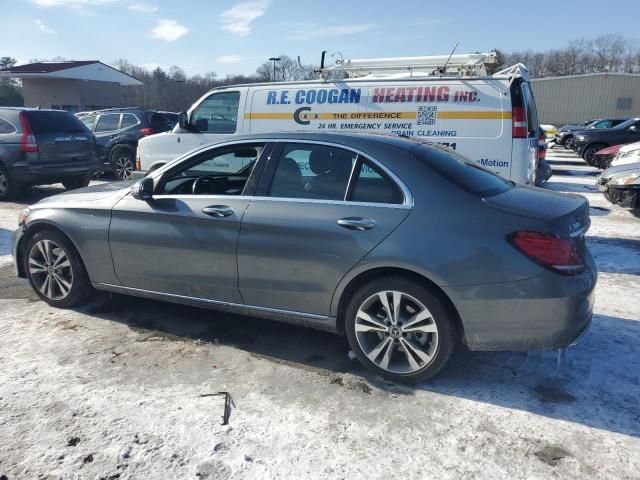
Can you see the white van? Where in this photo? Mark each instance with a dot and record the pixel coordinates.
(451, 100)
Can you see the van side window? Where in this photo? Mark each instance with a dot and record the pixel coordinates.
(218, 113)
(372, 185)
(6, 127)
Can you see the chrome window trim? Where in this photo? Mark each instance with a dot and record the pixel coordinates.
(219, 302)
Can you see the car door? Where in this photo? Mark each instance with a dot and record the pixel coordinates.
(183, 240)
(313, 218)
(106, 133)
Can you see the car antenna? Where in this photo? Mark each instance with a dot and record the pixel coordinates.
(443, 69)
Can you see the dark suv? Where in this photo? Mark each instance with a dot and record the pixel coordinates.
(588, 142)
(117, 131)
(40, 147)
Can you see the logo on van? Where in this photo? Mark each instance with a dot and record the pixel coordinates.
(302, 115)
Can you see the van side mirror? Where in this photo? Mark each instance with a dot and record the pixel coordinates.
(143, 189)
(183, 121)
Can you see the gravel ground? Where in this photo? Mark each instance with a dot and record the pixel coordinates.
(114, 390)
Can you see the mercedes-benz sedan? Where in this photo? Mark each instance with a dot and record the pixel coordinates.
(405, 247)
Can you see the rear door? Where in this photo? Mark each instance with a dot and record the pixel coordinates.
(318, 211)
(61, 137)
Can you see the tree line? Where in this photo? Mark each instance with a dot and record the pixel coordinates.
(172, 89)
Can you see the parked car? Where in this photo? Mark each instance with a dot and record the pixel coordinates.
(40, 147)
(623, 188)
(603, 180)
(566, 134)
(117, 131)
(627, 154)
(604, 157)
(405, 247)
(588, 142)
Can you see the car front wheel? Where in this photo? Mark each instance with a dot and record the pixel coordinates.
(54, 269)
(400, 330)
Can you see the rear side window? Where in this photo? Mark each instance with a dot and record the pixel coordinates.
(373, 186)
(6, 127)
(44, 122)
(108, 122)
(462, 172)
(129, 120)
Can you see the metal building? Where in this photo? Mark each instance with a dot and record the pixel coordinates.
(577, 98)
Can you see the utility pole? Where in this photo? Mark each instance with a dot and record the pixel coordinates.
(274, 60)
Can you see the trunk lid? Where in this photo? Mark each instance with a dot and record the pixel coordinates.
(61, 137)
(566, 211)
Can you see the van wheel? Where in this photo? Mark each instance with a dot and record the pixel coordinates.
(122, 163)
(78, 182)
(589, 154)
(55, 270)
(8, 186)
(400, 330)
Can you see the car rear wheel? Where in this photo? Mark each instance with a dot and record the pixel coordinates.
(54, 269)
(400, 330)
(589, 154)
(7, 184)
(122, 163)
(73, 183)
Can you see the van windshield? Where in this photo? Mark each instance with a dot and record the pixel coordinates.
(464, 173)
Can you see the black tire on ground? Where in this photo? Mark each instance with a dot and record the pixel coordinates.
(8, 186)
(123, 163)
(447, 337)
(76, 182)
(81, 287)
(589, 153)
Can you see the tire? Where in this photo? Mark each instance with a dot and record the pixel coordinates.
(8, 186)
(63, 286)
(588, 154)
(78, 182)
(123, 163)
(386, 352)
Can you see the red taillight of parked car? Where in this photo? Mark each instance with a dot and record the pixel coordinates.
(147, 131)
(551, 251)
(28, 141)
(519, 122)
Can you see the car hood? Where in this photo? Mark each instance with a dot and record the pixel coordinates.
(568, 211)
(610, 172)
(629, 146)
(97, 196)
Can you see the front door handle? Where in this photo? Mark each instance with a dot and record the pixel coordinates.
(357, 223)
(218, 211)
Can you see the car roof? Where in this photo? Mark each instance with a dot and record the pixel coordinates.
(32, 109)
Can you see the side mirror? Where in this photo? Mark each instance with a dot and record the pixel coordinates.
(183, 121)
(143, 189)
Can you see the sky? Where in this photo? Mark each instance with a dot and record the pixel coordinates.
(229, 36)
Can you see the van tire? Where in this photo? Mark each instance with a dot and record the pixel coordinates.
(8, 186)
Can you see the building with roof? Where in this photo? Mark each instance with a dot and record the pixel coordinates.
(578, 98)
(74, 86)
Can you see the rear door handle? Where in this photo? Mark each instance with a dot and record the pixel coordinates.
(357, 223)
(218, 211)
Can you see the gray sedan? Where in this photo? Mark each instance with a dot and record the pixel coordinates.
(403, 246)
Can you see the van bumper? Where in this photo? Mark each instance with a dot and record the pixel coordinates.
(546, 312)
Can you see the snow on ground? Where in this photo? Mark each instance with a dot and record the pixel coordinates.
(113, 390)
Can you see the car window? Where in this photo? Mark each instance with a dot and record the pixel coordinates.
(89, 121)
(628, 123)
(532, 113)
(462, 172)
(604, 124)
(221, 171)
(47, 122)
(129, 120)
(6, 126)
(217, 114)
(162, 122)
(312, 171)
(372, 185)
(108, 122)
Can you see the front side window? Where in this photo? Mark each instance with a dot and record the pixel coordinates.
(108, 122)
(221, 171)
(604, 124)
(6, 127)
(312, 171)
(218, 113)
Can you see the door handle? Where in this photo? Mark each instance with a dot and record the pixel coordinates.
(357, 223)
(218, 211)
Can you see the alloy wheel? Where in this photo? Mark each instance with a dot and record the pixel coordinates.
(123, 167)
(396, 332)
(50, 270)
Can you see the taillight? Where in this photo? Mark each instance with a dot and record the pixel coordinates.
(519, 122)
(147, 131)
(551, 251)
(28, 141)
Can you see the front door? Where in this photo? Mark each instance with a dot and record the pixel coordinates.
(318, 211)
(183, 240)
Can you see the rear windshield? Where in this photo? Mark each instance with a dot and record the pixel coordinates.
(462, 172)
(54, 122)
